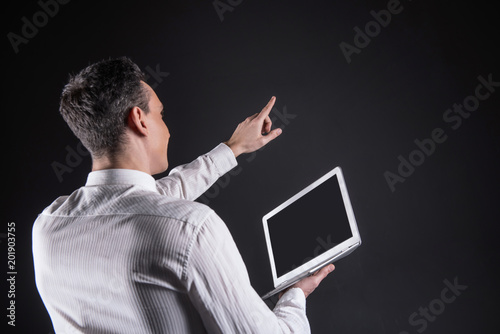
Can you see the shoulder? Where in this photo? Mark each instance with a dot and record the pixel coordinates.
(111, 200)
(172, 208)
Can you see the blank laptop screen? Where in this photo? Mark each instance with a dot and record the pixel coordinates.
(308, 227)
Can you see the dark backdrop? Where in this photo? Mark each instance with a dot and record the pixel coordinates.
(365, 112)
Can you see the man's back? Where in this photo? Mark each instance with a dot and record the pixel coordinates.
(128, 254)
(117, 245)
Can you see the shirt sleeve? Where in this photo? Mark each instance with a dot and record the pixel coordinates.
(219, 287)
(191, 180)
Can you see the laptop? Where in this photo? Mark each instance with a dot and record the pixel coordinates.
(311, 229)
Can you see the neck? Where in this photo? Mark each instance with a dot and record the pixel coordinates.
(128, 159)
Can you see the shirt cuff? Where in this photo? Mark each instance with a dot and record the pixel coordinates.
(294, 295)
(223, 158)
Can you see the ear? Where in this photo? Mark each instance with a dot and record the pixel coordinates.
(137, 121)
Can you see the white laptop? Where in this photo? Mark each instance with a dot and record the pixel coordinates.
(310, 230)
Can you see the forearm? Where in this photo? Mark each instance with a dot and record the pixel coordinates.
(220, 289)
(191, 180)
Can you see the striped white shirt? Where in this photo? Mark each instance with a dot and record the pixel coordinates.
(128, 254)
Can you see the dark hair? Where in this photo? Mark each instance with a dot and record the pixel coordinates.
(96, 102)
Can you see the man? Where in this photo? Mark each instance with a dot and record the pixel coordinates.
(128, 254)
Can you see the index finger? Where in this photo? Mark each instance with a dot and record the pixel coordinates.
(267, 109)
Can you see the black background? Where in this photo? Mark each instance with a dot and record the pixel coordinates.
(440, 224)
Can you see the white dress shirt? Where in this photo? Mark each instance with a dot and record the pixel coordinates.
(128, 254)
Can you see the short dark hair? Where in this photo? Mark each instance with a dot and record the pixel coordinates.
(96, 103)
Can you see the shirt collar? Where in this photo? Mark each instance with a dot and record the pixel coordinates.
(123, 177)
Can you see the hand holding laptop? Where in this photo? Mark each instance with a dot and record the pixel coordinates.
(310, 283)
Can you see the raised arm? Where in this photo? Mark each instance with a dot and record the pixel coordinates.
(191, 180)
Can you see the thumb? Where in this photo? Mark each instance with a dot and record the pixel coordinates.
(324, 271)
